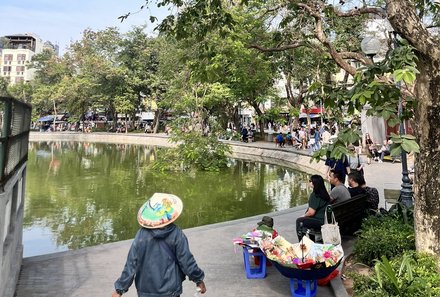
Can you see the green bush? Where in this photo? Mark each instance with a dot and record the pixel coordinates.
(410, 275)
(387, 236)
(194, 151)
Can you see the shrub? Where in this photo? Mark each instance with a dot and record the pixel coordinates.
(387, 236)
(194, 151)
(410, 275)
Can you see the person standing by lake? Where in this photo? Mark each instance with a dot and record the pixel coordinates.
(159, 258)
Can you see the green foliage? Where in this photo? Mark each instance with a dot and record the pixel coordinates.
(388, 236)
(409, 275)
(405, 143)
(194, 151)
(3, 87)
(338, 148)
(272, 114)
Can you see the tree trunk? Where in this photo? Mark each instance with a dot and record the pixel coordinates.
(404, 18)
(427, 174)
(289, 91)
(260, 121)
(236, 118)
(156, 121)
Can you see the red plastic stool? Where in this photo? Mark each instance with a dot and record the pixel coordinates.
(257, 260)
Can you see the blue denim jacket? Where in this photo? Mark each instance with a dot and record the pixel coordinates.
(155, 273)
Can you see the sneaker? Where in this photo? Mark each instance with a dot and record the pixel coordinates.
(380, 161)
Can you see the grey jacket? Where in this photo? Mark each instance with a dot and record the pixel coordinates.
(155, 272)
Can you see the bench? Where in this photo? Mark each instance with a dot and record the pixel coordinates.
(349, 215)
(391, 159)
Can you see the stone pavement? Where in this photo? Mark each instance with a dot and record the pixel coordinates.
(92, 271)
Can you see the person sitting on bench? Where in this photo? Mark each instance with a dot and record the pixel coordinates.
(318, 201)
(357, 181)
(355, 187)
(339, 192)
(384, 150)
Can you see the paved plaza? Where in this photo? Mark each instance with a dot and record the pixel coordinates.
(92, 271)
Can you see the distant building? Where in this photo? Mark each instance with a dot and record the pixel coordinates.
(17, 52)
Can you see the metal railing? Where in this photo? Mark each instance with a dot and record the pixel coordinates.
(15, 121)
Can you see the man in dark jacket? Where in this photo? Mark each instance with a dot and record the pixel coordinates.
(159, 257)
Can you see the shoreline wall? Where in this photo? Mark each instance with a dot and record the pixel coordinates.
(248, 151)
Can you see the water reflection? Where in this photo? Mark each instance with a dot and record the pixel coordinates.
(83, 194)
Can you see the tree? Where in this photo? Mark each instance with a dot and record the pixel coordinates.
(4, 87)
(406, 18)
(21, 91)
(314, 21)
(224, 57)
(140, 57)
(50, 70)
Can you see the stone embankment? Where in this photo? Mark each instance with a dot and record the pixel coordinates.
(257, 151)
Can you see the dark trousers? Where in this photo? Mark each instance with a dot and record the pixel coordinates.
(304, 223)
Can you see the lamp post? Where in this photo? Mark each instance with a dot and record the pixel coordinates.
(370, 45)
(406, 192)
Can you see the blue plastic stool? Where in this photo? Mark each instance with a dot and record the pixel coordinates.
(252, 271)
(304, 288)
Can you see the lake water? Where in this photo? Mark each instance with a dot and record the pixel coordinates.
(81, 194)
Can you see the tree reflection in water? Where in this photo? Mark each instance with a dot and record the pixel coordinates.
(86, 194)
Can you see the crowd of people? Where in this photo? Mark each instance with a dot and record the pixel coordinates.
(314, 137)
(303, 138)
(348, 168)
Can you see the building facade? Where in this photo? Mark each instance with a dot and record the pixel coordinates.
(16, 54)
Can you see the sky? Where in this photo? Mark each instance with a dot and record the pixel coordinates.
(62, 21)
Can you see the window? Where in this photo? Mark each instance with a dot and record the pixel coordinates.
(21, 57)
(19, 68)
(7, 68)
(19, 79)
(8, 57)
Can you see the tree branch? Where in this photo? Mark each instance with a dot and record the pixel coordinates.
(320, 35)
(359, 11)
(404, 19)
(356, 56)
(296, 44)
(270, 10)
(311, 11)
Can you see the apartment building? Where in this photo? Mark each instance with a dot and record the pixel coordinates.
(17, 52)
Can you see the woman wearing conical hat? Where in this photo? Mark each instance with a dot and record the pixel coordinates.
(159, 258)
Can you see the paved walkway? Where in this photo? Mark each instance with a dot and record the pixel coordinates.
(92, 271)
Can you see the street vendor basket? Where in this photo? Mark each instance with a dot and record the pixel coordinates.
(305, 274)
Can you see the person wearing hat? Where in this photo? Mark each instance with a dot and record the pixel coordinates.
(159, 258)
(266, 224)
(356, 161)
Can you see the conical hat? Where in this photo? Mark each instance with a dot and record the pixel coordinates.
(160, 210)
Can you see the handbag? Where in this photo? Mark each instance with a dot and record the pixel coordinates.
(330, 232)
